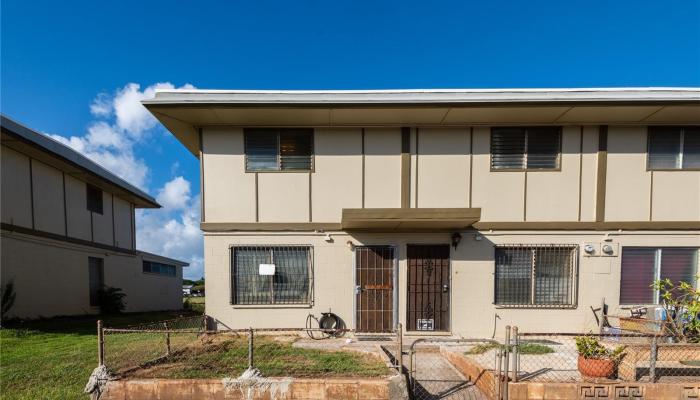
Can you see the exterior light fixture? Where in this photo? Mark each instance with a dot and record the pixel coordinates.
(456, 238)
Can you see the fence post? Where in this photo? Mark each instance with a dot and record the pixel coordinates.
(410, 365)
(250, 348)
(399, 350)
(652, 358)
(603, 318)
(100, 344)
(167, 339)
(506, 361)
(497, 380)
(516, 354)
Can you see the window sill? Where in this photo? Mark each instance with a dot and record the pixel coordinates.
(270, 306)
(536, 307)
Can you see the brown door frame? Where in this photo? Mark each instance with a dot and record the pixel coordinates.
(395, 283)
(447, 329)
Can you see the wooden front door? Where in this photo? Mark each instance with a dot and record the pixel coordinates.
(374, 289)
(428, 307)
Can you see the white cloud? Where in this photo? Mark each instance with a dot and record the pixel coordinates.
(121, 125)
(175, 194)
(173, 231)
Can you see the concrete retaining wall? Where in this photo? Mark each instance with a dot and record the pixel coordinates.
(266, 388)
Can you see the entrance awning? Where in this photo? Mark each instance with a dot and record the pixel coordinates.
(392, 219)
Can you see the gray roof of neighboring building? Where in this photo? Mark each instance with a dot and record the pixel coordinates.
(159, 258)
(71, 156)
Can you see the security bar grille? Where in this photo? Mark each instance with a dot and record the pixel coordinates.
(536, 275)
(289, 283)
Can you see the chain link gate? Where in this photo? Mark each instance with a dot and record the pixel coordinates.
(459, 368)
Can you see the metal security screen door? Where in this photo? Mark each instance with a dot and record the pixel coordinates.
(428, 306)
(374, 289)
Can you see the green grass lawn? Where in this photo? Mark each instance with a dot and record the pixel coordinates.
(53, 358)
(523, 348)
(195, 303)
(224, 355)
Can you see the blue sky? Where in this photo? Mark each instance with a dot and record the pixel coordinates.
(59, 58)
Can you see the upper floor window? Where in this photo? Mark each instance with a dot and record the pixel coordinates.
(536, 275)
(94, 199)
(153, 267)
(641, 266)
(523, 148)
(674, 147)
(279, 149)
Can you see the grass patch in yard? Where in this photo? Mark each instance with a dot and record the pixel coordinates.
(227, 356)
(53, 358)
(523, 348)
(195, 304)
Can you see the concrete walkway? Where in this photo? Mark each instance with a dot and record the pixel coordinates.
(436, 378)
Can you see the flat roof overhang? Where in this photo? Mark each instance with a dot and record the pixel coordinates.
(398, 219)
(184, 111)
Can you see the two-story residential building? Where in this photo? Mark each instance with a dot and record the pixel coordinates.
(445, 210)
(68, 229)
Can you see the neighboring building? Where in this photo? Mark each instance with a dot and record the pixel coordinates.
(68, 228)
(441, 208)
(187, 290)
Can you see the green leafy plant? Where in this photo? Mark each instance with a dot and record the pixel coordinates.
(682, 304)
(111, 300)
(7, 298)
(590, 347)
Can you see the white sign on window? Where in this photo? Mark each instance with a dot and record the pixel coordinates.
(426, 324)
(266, 269)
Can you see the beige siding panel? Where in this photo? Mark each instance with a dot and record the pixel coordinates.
(229, 192)
(76, 209)
(102, 223)
(676, 196)
(500, 195)
(628, 182)
(553, 195)
(337, 180)
(48, 198)
(589, 164)
(283, 197)
(122, 223)
(382, 167)
(443, 167)
(16, 191)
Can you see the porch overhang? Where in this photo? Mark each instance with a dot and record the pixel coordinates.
(404, 219)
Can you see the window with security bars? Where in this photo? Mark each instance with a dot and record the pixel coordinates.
(279, 149)
(641, 266)
(674, 147)
(536, 275)
(525, 148)
(288, 283)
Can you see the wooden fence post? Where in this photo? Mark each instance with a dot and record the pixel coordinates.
(399, 350)
(167, 339)
(100, 344)
(250, 348)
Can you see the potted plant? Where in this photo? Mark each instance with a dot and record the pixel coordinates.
(596, 360)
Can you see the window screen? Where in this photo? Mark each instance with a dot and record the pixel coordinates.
(95, 279)
(94, 199)
(674, 147)
(536, 275)
(153, 267)
(525, 148)
(279, 149)
(289, 284)
(641, 266)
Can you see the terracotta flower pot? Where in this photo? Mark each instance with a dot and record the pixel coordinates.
(596, 368)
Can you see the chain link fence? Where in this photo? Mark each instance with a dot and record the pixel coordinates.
(184, 348)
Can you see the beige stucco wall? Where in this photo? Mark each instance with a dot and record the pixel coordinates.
(51, 278)
(39, 189)
(472, 274)
(445, 172)
(16, 193)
